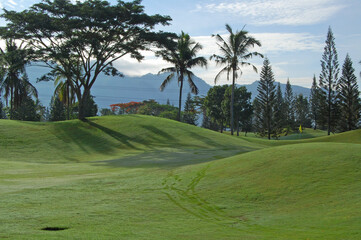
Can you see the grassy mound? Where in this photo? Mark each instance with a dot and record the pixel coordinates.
(107, 138)
(140, 177)
(300, 191)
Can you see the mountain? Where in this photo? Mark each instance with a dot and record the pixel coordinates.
(296, 89)
(109, 90)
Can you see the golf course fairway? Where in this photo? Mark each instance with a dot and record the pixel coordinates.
(142, 177)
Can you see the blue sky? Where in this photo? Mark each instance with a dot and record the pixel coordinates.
(292, 33)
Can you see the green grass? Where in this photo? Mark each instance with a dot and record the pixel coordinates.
(139, 177)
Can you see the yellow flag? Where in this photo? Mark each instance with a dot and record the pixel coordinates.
(300, 128)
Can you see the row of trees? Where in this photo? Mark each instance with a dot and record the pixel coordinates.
(235, 51)
(334, 103)
(78, 43)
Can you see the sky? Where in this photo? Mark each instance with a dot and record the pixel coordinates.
(292, 33)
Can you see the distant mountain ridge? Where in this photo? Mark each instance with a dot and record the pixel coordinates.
(109, 90)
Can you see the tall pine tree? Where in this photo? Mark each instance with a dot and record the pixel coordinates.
(266, 100)
(190, 114)
(289, 107)
(328, 80)
(348, 97)
(302, 111)
(314, 102)
(279, 116)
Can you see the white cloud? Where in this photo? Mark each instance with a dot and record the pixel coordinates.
(282, 12)
(132, 67)
(272, 43)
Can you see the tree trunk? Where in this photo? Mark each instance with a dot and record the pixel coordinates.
(11, 102)
(329, 108)
(82, 104)
(180, 98)
(68, 101)
(237, 128)
(232, 99)
(269, 128)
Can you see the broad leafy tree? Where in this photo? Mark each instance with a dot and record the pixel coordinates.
(213, 105)
(92, 34)
(242, 106)
(348, 97)
(183, 57)
(266, 100)
(329, 78)
(153, 108)
(235, 53)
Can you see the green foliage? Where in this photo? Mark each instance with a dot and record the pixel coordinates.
(302, 111)
(213, 106)
(190, 114)
(348, 98)
(57, 110)
(279, 113)
(316, 108)
(242, 107)
(82, 39)
(183, 57)
(106, 112)
(27, 111)
(153, 108)
(170, 114)
(328, 80)
(235, 51)
(265, 101)
(14, 82)
(289, 107)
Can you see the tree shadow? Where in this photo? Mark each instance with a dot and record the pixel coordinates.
(123, 139)
(168, 158)
(84, 139)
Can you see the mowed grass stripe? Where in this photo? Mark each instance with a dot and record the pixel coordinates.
(140, 177)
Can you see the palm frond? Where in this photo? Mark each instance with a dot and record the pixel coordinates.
(166, 81)
(169, 69)
(198, 61)
(225, 69)
(192, 85)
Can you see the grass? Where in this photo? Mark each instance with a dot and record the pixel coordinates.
(139, 177)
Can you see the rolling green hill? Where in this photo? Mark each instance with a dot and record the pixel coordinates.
(140, 177)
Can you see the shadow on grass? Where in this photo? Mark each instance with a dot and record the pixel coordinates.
(169, 158)
(123, 139)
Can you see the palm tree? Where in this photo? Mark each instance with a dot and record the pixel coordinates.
(183, 56)
(13, 79)
(234, 54)
(64, 90)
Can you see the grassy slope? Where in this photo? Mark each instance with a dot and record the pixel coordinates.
(137, 177)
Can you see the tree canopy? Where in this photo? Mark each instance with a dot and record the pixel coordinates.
(84, 38)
